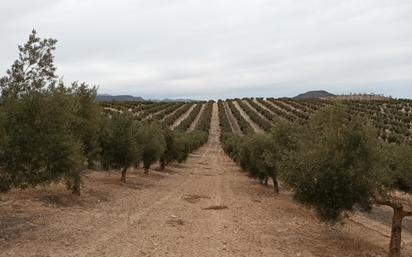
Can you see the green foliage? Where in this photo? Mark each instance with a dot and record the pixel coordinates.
(119, 142)
(170, 152)
(152, 142)
(337, 164)
(185, 124)
(37, 144)
(34, 71)
(168, 121)
(398, 164)
(223, 119)
(87, 119)
(261, 122)
(245, 127)
(205, 119)
(189, 142)
(254, 156)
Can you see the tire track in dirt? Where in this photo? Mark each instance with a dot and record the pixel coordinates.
(189, 217)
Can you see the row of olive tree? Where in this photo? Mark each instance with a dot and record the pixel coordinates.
(50, 132)
(334, 163)
(125, 143)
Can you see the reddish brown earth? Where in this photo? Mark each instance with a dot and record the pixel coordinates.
(204, 207)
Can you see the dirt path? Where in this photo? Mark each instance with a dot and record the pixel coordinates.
(255, 127)
(194, 123)
(232, 120)
(183, 117)
(165, 214)
(269, 110)
(174, 111)
(280, 108)
(257, 113)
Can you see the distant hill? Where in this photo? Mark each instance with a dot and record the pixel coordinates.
(172, 100)
(314, 94)
(119, 98)
(130, 98)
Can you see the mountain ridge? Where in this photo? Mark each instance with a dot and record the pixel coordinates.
(314, 94)
(130, 98)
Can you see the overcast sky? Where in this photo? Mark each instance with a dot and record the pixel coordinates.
(221, 48)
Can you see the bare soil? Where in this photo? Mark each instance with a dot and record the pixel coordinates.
(172, 113)
(194, 123)
(257, 113)
(203, 207)
(232, 120)
(183, 117)
(269, 110)
(255, 127)
(280, 108)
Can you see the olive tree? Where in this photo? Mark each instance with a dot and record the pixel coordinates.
(253, 156)
(118, 143)
(339, 164)
(264, 155)
(279, 145)
(85, 127)
(170, 151)
(37, 143)
(152, 142)
(87, 118)
(396, 178)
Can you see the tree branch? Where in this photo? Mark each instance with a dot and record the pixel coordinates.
(385, 202)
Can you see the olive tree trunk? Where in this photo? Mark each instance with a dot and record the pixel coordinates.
(76, 185)
(123, 178)
(396, 231)
(275, 185)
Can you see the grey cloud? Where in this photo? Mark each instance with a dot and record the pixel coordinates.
(222, 48)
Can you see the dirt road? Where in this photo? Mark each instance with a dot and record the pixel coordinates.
(204, 207)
